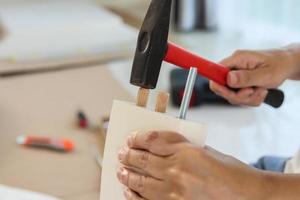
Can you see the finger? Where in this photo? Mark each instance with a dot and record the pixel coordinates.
(215, 87)
(244, 94)
(147, 187)
(249, 78)
(249, 97)
(242, 59)
(143, 160)
(221, 90)
(156, 142)
(225, 92)
(229, 62)
(237, 98)
(130, 195)
(243, 97)
(258, 97)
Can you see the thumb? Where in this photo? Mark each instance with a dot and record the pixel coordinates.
(248, 78)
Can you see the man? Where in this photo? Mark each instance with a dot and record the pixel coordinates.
(175, 169)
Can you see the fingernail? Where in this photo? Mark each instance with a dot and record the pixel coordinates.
(119, 174)
(122, 174)
(122, 154)
(127, 193)
(233, 78)
(130, 139)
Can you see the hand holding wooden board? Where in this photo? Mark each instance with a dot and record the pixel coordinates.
(127, 118)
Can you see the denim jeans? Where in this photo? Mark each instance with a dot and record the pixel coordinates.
(270, 163)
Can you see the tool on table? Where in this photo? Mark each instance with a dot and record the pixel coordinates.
(82, 120)
(201, 94)
(63, 145)
(153, 48)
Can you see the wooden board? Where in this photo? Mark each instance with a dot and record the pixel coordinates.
(122, 124)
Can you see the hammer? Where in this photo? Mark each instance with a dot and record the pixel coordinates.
(153, 48)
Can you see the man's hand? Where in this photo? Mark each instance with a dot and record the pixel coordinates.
(165, 166)
(254, 72)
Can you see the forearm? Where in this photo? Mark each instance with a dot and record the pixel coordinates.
(281, 186)
(293, 52)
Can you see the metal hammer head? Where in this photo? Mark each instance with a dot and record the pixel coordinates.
(152, 45)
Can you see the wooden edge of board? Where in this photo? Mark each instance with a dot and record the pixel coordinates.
(103, 125)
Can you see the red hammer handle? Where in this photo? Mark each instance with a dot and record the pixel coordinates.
(185, 59)
(213, 71)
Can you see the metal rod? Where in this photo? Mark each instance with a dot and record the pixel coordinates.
(189, 87)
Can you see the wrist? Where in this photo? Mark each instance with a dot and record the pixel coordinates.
(257, 185)
(278, 186)
(263, 186)
(268, 186)
(292, 52)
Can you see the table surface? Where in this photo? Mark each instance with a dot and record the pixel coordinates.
(46, 104)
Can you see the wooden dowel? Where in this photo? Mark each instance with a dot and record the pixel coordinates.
(142, 97)
(162, 101)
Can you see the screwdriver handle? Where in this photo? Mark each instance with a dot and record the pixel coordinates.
(180, 57)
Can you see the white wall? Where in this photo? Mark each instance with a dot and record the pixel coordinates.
(277, 12)
(276, 20)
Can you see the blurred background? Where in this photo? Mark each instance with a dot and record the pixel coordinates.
(60, 55)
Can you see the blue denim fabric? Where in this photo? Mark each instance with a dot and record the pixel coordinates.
(270, 163)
